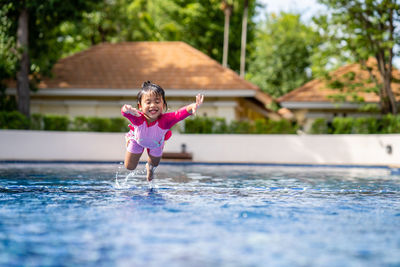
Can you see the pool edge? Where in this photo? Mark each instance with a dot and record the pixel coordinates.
(166, 162)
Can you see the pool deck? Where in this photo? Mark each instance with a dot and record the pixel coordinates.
(285, 150)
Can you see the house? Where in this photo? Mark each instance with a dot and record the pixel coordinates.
(98, 81)
(344, 92)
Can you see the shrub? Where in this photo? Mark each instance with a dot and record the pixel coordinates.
(260, 126)
(98, 124)
(55, 123)
(390, 124)
(342, 125)
(13, 120)
(95, 124)
(281, 127)
(220, 126)
(241, 127)
(199, 125)
(191, 125)
(365, 126)
(118, 125)
(36, 122)
(320, 126)
(207, 125)
(80, 123)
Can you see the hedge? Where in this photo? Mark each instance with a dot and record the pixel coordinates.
(55, 123)
(320, 126)
(13, 120)
(16, 120)
(205, 125)
(387, 124)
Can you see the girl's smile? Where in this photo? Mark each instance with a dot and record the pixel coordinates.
(152, 106)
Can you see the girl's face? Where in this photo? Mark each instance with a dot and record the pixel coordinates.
(152, 106)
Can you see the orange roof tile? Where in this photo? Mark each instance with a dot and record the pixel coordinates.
(173, 65)
(320, 90)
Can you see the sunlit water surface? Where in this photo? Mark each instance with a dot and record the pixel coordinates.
(198, 215)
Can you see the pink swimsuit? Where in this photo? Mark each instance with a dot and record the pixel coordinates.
(152, 135)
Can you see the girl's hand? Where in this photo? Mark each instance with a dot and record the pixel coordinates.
(193, 107)
(130, 110)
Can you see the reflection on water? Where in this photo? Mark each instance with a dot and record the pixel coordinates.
(198, 215)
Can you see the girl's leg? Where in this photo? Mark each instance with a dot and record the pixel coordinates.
(132, 154)
(152, 163)
(131, 160)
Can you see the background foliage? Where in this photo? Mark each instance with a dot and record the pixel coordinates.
(387, 124)
(49, 122)
(283, 52)
(364, 29)
(199, 23)
(201, 125)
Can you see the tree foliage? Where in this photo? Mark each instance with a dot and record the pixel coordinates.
(59, 28)
(199, 23)
(283, 52)
(364, 29)
(8, 58)
(42, 49)
(281, 59)
(44, 20)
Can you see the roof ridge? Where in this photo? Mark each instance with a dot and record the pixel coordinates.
(175, 64)
(317, 89)
(302, 88)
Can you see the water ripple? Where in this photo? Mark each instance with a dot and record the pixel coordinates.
(198, 215)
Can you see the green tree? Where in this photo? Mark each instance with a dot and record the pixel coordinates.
(199, 23)
(364, 29)
(8, 58)
(281, 60)
(244, 39)
(56, 28)
(30, 36)
(227, 7)
(119, 21)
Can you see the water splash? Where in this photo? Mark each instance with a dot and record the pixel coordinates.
(152, 185)
(123, 177)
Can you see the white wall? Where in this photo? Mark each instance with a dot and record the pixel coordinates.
(296, 149)
(293, 149)
(49, 145)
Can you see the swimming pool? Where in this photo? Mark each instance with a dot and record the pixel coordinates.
(198, 215)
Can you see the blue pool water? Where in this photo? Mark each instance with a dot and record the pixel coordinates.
(198, 215)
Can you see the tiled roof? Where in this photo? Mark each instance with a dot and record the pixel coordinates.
(320, 90)
(173, 65)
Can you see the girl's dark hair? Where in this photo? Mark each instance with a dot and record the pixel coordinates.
(148, 87)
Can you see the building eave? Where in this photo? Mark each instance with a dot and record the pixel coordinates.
(132, 92)
(320, 105)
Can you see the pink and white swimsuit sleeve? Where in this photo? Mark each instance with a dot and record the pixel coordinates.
(167, 120)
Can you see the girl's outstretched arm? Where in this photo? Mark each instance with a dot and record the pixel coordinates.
(130, 110)
(192, 108)
(132, 114)
(170, 119)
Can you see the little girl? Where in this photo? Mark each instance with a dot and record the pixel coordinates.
(150, 126)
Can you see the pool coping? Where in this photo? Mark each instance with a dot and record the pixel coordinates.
(266, 164)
